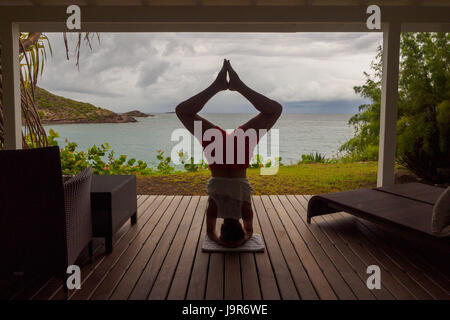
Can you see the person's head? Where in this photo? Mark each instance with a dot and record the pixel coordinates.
(231, 230)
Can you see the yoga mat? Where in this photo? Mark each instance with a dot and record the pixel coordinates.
(254, 244)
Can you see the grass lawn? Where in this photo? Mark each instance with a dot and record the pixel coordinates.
(295, 179)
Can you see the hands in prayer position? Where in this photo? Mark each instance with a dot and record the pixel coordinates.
(221, 82)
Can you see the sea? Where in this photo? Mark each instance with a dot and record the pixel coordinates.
(298, 134)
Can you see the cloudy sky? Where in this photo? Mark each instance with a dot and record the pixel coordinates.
(153, 72)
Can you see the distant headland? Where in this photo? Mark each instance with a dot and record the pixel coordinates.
(55, 109)
(137, 114)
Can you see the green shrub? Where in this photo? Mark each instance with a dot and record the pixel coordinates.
(74, 161)
(164, 166)
(258, 162)
(312, 158)
(189, 164)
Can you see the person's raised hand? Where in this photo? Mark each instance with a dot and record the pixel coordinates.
(221, 82)
(235, 82)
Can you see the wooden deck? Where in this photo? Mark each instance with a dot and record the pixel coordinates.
(160, 258)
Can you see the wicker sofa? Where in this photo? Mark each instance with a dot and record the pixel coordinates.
(44, 223)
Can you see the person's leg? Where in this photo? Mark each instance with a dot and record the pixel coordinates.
(187, 111)
(189, 120)
(269, 109)
(261, 122)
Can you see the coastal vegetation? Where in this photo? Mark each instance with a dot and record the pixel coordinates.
(101, 158)
(312, 174)
(423, 124)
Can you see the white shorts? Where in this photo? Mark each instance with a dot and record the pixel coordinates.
(229, 194)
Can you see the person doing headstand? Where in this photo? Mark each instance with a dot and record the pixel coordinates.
(228, 188)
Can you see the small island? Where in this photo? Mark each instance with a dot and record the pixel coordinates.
(137, 114)
(55, 109)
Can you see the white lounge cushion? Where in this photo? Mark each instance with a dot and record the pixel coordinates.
(440, 222)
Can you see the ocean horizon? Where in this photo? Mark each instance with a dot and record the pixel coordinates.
(298, 134)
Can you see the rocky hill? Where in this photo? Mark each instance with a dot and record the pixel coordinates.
(57, 109)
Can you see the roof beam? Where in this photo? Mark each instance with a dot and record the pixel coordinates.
(224, 14)
(150, 2)
(197, 27)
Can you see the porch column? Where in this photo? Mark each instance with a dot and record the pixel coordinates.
(12, 113)
(389, 104)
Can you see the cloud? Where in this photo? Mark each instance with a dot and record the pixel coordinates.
(156, 71)
(151, 72)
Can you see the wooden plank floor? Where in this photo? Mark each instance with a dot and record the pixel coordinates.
(160, 258)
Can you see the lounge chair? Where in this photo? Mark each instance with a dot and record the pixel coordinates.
(407, 207)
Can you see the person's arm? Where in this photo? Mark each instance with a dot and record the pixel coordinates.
(270, 110)
(211, 219)
(247, 218)
(211, 230)
(187, 111)
(248, 227)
